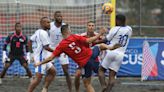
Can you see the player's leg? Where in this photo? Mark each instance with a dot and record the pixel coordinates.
(101, 76)
(103, 67)
(87, 77)
(7, 65)
(68, 78)
(49, 77)
(88, 85)
(35, 82)
(39, 71)
(64, 61)
(77, 79)
(111, 80)
(24, 63)
(112, 61)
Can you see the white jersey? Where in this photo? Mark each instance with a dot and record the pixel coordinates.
(55, 38)
(55, 35)
(120, 35)
(39, 39)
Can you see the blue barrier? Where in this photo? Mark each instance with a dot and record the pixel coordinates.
(131, 65)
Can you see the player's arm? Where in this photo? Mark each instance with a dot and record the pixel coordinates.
(109, 47)
(30, 46)
(7, 41)
(46, 47)
(101, 40)
(50, 58)
(26, 45)
(92, 39)
(55, 53)
(4, 56)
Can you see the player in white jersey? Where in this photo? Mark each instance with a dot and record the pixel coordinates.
(56, 37)
(40, 42)
(113, 59)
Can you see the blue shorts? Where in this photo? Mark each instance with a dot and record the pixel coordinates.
(92, 64)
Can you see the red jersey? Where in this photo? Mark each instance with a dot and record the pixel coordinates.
(85, 35)
(75, 47)
(91, 44)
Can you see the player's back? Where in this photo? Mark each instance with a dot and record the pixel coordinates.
(75, 46)
(120, 34)
(55, 34)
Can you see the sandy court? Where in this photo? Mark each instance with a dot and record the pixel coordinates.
(15, 84)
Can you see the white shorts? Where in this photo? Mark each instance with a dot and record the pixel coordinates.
(63, 59)
(112, 60)
(43, 68)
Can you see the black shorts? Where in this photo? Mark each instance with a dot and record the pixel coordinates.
(92, 64)
(21, 59)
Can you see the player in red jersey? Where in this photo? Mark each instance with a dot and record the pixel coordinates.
(76, 47)
(89, 33)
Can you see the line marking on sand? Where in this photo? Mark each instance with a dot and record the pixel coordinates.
(142, 84)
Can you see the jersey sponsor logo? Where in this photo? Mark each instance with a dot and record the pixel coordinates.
(21, 40)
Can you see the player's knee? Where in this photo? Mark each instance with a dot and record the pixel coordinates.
(78, 74)
(101, 69)
(66, 73)
(38, 79)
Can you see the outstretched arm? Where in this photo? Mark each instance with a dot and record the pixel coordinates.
(45, 61)
(92, 39)
(107, 47)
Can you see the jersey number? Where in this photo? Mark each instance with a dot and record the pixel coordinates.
(18, 44)
(75, 48)
(123, 39)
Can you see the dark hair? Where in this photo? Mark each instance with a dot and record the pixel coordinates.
(121, 18)
(64, 28)
(90, 22)
(17, 23)
(43, 18)
(57, 12)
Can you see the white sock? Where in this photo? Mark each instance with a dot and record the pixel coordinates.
(44, 90)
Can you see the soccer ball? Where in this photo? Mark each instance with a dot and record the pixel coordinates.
(107, 8)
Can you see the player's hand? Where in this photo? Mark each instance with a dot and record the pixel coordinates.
(32, 57)
(4, 57)
(102, 31)
(28, 57)
(37, 64)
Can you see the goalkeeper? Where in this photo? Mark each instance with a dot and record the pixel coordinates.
(18, 42)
